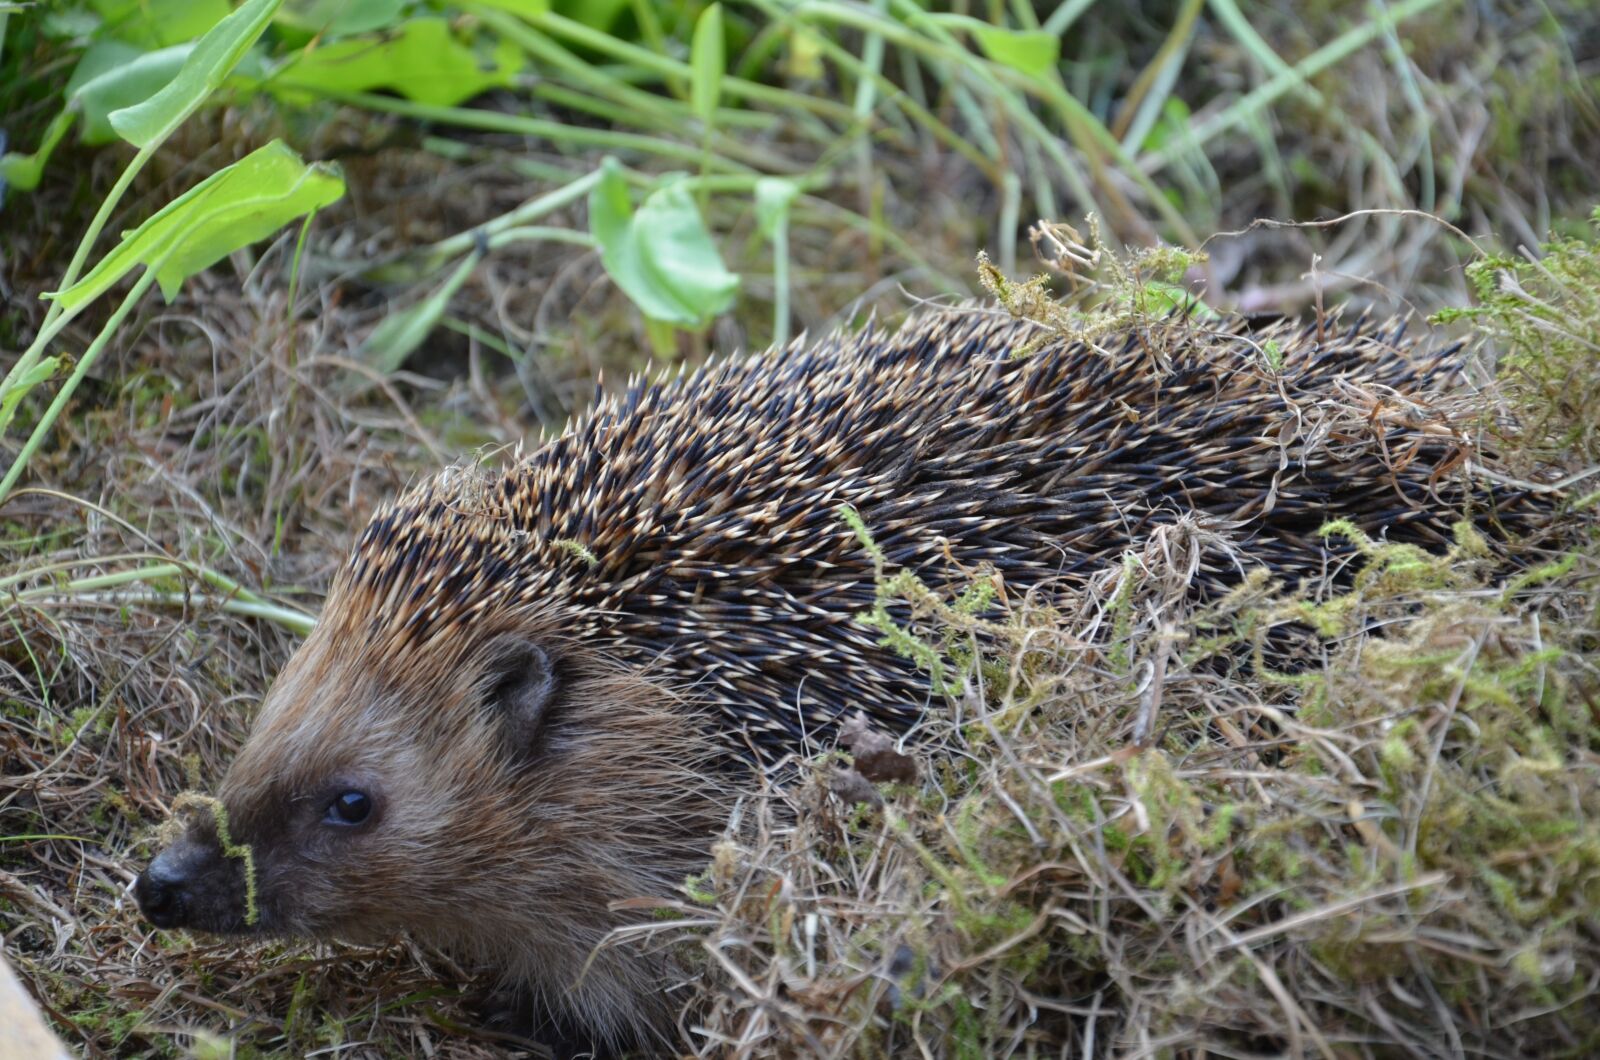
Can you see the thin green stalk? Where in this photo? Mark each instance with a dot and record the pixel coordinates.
(289, 618)
(627, 114)
(1288, 80)
(242, 600)
(541, 234)
(42, 429)
(532, 210)
(1010, 220)
(947, 283)
(649, 20)
(46, 569)
(780, 283)
(477, 334)
(98, 223)
(893, 93)
(294, 281)
(1082, 125)
(735, 87)
(865, 102)
(55, 318)
(1023, 12)
(647, 109)
(217, 580)
(1065, 15)
(872, 66)
(1428, 190)
(96, 582)
(1170, 54)
(1085, 130)
(491, 121)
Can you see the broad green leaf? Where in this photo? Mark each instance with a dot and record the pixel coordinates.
(18, 389)
(661, 255)
(707, 61)
(1033, 52)
(112, 75)
(338, 18)
(773, 196)
(392, 341)
(422, 61)
(152, 24)
(232, 208)
(22, 172)
(101, 57)
(207, 66)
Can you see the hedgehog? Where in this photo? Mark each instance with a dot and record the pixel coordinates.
(534, 693)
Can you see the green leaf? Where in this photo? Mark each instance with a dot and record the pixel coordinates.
(112, 75)
(22, 172)
(662, 255)
(392, 341)
(207, 66)
(422, 61)
(773, 196)
(339, 18)
(707, 61)
(17, 389)
(1033, 52)
(152, 24)
(232, 208)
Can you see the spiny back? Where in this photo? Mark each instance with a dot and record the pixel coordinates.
(693, 524)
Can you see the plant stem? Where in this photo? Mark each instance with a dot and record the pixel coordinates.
(780, 282)
(54, 320)
(42, 429)
(1287, 80)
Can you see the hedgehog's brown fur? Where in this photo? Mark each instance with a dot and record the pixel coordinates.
(679, 552)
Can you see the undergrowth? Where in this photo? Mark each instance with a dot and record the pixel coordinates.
(1542, 307)
(1134, 835)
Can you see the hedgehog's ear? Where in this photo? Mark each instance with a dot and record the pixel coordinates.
(522, 687)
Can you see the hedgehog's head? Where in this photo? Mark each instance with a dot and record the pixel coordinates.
(479, 776)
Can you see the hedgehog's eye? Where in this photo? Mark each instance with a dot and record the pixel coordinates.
(348, 807)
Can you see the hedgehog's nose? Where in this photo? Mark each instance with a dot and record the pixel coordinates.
(164, 889)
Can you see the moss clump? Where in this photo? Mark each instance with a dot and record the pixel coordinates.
(1542, 312)
(191, 804)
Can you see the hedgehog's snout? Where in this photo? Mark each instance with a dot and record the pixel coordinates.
(191, 885)
(164, 890)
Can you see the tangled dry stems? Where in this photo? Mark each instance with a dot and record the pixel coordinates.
(1390, 851)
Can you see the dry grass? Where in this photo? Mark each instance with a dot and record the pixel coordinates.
(1393, 853)
(1134, 833)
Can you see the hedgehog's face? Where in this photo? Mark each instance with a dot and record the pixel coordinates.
(446, 796)
(356, 791)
